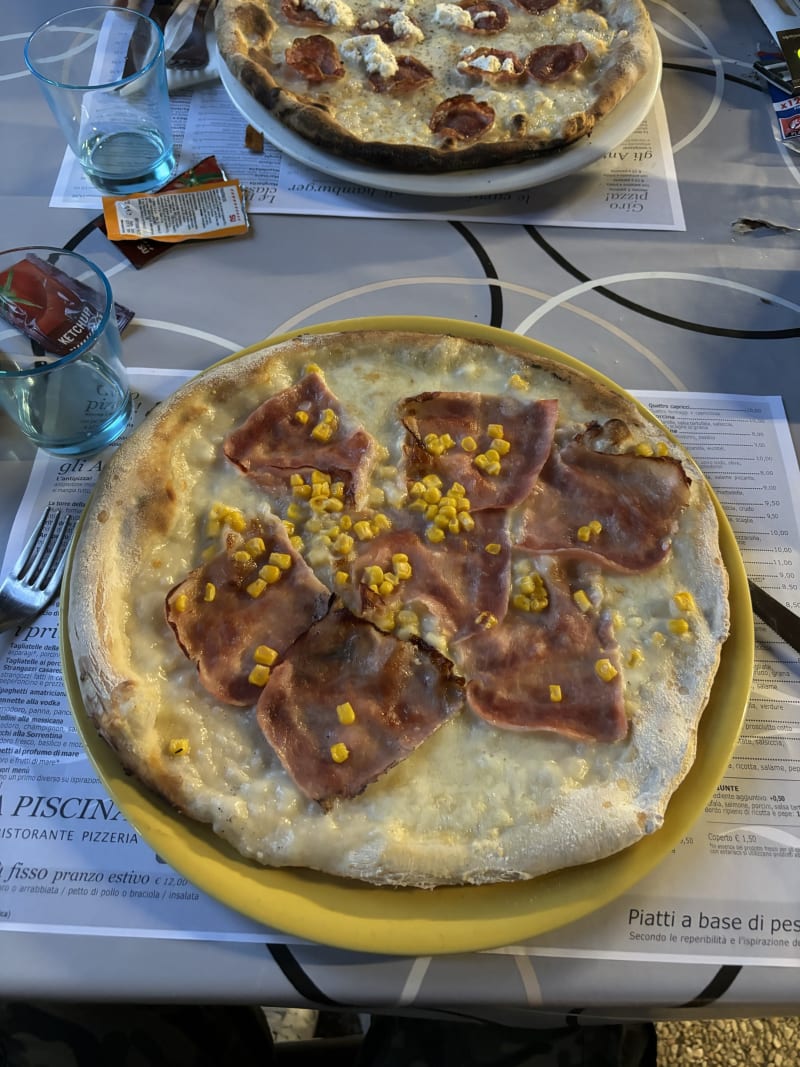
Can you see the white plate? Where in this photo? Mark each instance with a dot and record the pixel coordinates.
(608, 133)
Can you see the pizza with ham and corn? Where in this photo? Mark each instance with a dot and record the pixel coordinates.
(423, 86)
(407, 608)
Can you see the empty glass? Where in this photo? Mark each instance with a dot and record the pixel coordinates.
(103, 75)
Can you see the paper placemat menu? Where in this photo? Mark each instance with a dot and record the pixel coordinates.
(634, 186)
(70, 863)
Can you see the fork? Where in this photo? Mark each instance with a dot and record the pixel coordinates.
(35, 577)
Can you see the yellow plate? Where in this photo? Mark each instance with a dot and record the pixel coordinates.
(355, 916)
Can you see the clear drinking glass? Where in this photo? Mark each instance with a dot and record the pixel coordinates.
(102, 72)
(62, 379)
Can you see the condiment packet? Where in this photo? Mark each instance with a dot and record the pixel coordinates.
(213, 210)
(54, 310)
(141, 251)
(786, 105)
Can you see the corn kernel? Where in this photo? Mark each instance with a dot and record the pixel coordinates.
(339, 752)
(179, 746)
(517, 382)
(605, 670)
(457, 489)
(280, 559)
(661, 449)
(493, 468)
(446, 441)
(313, 368)
(469, 444)
(213, 527)
(486, 619)
(636, 657)
(658, 638)
(294, 512)
(323, 431)
(265, 655)
(481, 462)
(555, 694)
(296, 541)
(270, 573)
(582, 600)
(432, 480)
(467, 522)
(301, 417)
(257, 587)
(432, 495)
(502, 446)
(255, 546)
(236, 520)
(210, 592)
(345, 522)
(240, 556)
(678, 626)
(595, 527)
(493, 548)
(584, 533)
(363, 530)
(492, 455)
(345, 713)
(386, 587)
(434, 534)
(402, 570)
(381, 522)
(684, 600)
(644, 449)
(337, 490)
(181, 602)
(372, 574)
(320, 478)
(343, 544)
(521, 602)
(259, 675)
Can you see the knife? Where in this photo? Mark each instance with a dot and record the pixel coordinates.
(776, 615)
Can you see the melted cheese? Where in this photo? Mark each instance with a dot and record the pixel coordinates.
(437, 38)
(541, 795)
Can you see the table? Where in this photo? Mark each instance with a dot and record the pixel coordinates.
(705, 309)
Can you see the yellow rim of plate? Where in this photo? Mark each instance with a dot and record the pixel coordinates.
(450, 919)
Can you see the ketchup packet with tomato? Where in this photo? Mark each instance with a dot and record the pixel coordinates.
(54, 310)
(143, 249)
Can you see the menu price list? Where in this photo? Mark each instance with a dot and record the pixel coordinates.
(63, 838)
(728, 891)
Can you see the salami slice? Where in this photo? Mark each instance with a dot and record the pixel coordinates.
(315, 57)
(552, 62)
(462, 118)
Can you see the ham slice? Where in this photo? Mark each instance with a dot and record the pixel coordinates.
(510, 668)
(636, 499)
(222, 634)
(283, 437)
(397, 692)
(457, 583)
(527, 427)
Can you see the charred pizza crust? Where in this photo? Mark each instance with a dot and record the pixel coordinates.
(455, 112)
(472, 804)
